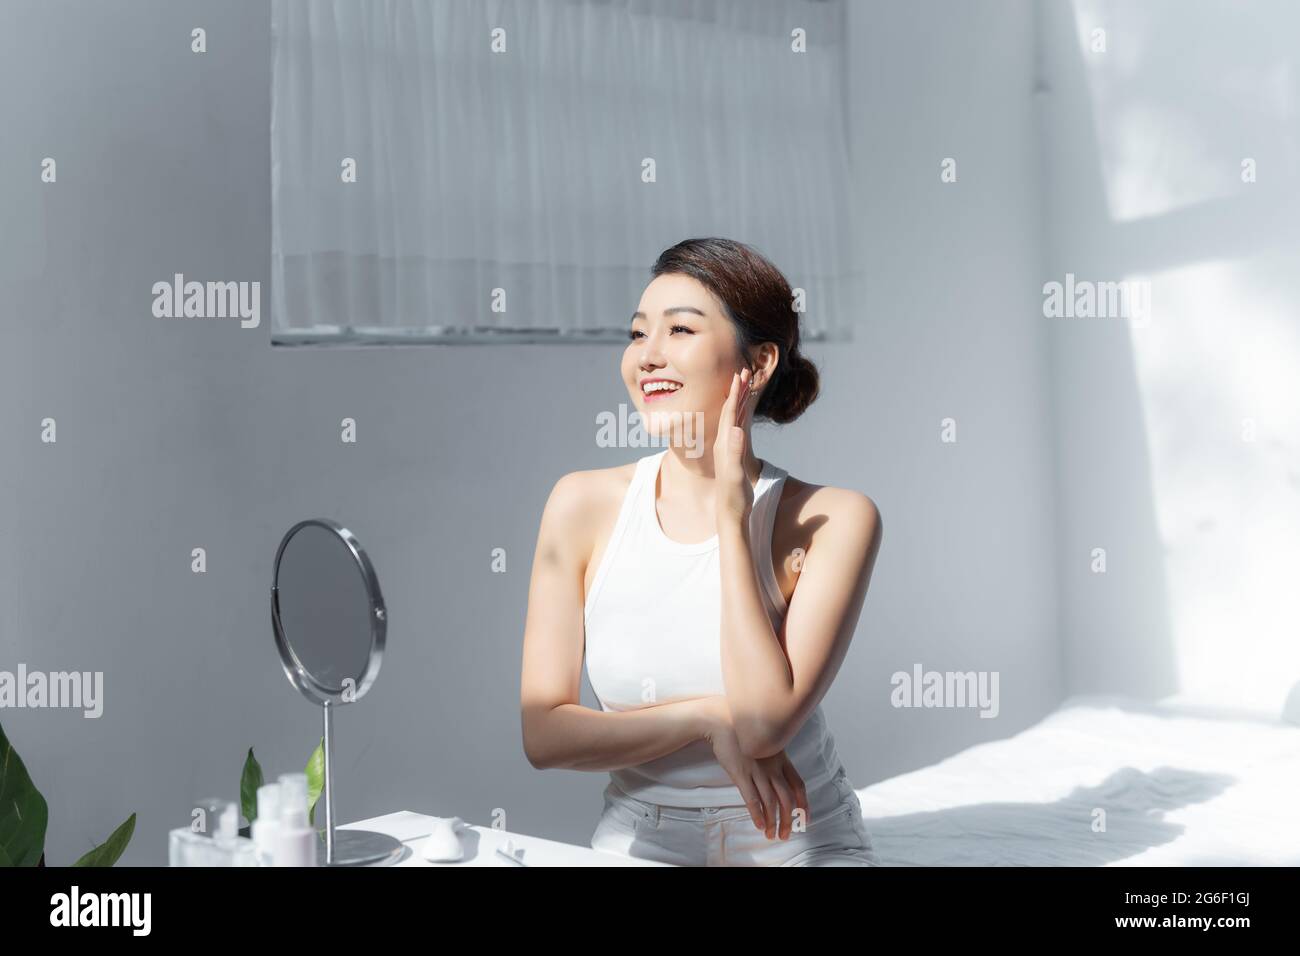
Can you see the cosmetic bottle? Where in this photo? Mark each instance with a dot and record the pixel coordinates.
(202, 844)
(192, 845)
(228, 847)
(267, 824)
(295, 841)
(185, 847)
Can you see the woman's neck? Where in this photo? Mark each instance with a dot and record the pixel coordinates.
(695, 476)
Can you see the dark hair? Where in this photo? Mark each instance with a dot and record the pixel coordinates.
(760, 304)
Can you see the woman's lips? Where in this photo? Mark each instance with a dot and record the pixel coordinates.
(660, 394)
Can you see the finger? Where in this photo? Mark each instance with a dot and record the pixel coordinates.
(746, 389)
(771, 805)
(751, 399)
(800, 791)
(747, 410)
(748, 795)
(752, 802)
(727, 416)
(786, 801)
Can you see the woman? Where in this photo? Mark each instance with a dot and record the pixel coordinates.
(716, 595)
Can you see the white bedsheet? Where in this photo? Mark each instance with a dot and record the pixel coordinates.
(1179, 789)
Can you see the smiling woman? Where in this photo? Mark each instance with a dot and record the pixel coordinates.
(715, 595)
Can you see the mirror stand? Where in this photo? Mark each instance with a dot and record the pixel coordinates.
(347, 847)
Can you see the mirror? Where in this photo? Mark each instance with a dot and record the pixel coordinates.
(330, 626)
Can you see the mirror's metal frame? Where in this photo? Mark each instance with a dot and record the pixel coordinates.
(368, 847)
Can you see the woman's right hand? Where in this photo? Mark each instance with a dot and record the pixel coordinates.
(770, 786)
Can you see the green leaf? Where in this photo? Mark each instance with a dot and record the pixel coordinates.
(249, 781)
(315, 779)
(23, 811)
(106, 853)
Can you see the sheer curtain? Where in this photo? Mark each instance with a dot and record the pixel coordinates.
(522, 170)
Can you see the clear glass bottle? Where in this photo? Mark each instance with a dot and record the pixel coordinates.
(207, 846)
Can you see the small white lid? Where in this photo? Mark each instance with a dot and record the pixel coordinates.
(228, 822)
(293, 798)
(268, 802)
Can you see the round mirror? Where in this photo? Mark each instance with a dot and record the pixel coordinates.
(329, 616)
(330, 624)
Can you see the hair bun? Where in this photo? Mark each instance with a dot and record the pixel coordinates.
(792, 390)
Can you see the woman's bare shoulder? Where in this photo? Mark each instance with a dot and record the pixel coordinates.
(582, 499)
(578, 487)
(815, 507)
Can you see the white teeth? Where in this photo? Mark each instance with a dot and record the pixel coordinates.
(660, 387)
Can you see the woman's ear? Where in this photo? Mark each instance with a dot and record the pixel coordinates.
(768, 359)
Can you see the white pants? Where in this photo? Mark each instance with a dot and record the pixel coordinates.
(835, 835)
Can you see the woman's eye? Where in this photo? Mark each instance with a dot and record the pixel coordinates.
(635, 332)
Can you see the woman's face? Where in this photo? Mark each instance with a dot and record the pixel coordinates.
(680, 337)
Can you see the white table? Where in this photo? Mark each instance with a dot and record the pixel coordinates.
(481, 844)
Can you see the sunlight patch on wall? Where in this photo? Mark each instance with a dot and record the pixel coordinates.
(1169, 131)
(1217, 374)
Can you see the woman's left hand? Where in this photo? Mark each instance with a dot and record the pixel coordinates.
(735, 495)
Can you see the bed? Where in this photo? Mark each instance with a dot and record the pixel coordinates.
(1180, 786)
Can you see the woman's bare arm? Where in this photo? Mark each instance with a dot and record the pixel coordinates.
(774, 681)
(579, 738)
(558, 731)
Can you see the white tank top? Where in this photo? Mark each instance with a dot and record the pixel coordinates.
(653, 634)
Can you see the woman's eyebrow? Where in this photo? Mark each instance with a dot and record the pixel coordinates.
(675, 309)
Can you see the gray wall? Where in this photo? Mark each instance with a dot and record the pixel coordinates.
(176, 434)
